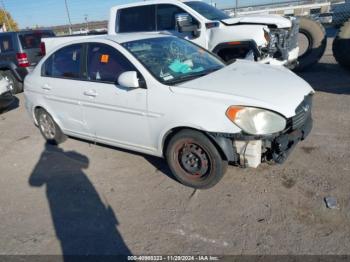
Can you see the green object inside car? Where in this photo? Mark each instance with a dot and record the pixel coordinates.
(181, 67)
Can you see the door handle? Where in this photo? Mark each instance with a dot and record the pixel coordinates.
(46, 87)
(90, 93)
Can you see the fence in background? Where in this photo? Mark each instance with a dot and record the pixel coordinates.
(326, 11)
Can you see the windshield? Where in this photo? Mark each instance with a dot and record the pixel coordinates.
(32, 40)
(208, 11)
(173, 60)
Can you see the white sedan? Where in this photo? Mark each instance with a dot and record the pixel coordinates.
(164, 96)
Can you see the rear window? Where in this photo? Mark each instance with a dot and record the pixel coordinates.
(32, 40)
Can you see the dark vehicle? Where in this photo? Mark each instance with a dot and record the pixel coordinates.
(19, 53)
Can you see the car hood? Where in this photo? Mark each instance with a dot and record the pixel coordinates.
(251, 84)
(276, 20)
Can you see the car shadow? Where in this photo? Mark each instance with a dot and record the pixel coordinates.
(158, 163)
(14, 105)
(84, 225)
(329, 78)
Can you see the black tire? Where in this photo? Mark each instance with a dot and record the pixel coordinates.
(341, 45)
(48, 128)
(194, 160)
(15, 86)
(315, 34)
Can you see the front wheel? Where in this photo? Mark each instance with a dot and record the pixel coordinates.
(194, 160)
(48, 128)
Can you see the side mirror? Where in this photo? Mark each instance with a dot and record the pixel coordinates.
(184, 23)
(129, 79)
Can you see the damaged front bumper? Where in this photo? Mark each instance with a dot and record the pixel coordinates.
(283, 48)
(251, 150)
(291, 60)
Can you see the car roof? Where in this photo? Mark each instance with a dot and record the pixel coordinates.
(121, 38)
(151, 2)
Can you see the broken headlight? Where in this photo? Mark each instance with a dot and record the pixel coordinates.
(256, 121)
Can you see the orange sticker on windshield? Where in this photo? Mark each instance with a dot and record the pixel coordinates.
(104, 59)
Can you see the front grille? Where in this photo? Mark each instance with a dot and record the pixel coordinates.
(302, 114)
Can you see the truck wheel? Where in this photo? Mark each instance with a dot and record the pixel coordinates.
(15, 86)
(194, 160)
(341, 45)
(48, 128)
(312, 43)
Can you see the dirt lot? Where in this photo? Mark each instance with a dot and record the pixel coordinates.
(82, 198)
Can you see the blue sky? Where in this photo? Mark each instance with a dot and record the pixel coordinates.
(29, 13)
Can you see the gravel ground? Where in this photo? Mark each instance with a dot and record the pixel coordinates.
(82, 198)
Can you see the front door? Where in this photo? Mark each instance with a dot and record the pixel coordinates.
(166, 14)
(114, 114)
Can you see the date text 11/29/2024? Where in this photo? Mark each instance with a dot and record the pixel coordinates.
(173, 258)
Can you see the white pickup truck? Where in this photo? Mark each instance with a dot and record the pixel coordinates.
(268, 39)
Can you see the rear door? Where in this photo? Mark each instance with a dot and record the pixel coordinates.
(30, 44)
(63, 89)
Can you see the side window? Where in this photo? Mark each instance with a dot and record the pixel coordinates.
(166, 16)
(105, 63)
(136, 19)
(6, 44)
(64, 63)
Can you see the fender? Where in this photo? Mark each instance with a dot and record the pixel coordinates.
(47, 109)
(220, 140)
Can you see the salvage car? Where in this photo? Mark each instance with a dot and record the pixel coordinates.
(165, 96)
(6, 97)
(269, 39)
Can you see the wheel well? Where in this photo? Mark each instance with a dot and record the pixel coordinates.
(235, 50)
(36, 110)
(171, 133)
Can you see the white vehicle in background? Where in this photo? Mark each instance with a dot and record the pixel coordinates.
(6, 97)
(269, 39)
(165, 96)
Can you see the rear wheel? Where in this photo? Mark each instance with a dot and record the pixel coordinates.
(48, 128)
(341, 45)
(15, 86)
(194, 160)
(312, 43)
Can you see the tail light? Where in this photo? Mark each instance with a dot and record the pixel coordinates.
(22, 60)
(42, 49)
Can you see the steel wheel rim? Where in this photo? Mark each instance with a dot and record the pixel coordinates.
(47, 126)
(193, 160)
